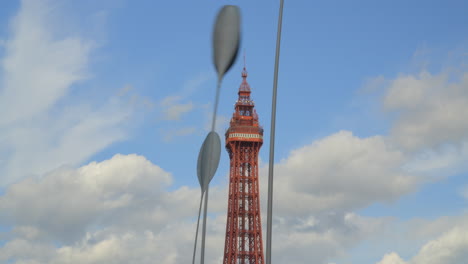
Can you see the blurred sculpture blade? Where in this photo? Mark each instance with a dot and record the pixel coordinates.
(208, 159)
(226, 39)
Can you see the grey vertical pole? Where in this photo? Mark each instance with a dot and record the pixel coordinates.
(272, 138)
(202, 257)
(196, 232)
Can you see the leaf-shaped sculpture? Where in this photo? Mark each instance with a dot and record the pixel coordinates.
(226, 39)
(208, 159)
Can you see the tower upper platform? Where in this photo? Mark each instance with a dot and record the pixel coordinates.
(244, 125)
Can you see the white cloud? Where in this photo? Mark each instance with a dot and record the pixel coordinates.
(42, 64)
(38, 67)
(446, 160)
(428, 229)
(343, 172)
(407, 237)
(173, 107)
(448, 248)
(318, 238)
(23, 251)
(391, 258)
(173, 110)
(429, 119)
(431, 108)
(81, 198)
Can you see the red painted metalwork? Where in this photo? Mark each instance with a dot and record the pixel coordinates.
(244, 137)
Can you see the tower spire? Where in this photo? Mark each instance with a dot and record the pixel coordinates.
(244, 89)
(244, 71)
(244, 58)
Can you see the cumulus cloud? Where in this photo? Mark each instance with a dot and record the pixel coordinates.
(443, 161)
(343, 172)
(392, 258)
(320, 237)
(428, 110)
(431, 108)
(79, 198)
(448, 248)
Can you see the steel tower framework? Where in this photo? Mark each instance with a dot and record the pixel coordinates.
(244, 137)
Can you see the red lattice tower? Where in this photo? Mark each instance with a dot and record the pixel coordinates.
(244, 138)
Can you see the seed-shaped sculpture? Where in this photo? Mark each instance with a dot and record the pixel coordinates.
(208, 159)
(226, 39)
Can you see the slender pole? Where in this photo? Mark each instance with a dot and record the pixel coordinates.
(196, 232)
(215, 110)
(272, 138)
(202, 258)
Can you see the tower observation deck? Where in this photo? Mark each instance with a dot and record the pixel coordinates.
(244, 137)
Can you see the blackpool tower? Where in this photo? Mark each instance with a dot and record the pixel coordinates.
(244, 138)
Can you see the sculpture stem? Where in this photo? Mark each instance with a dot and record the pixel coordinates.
(196, 232)
(215, 110)
(272, 139)
(202, 258)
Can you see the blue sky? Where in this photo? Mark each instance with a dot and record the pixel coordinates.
(104, 106)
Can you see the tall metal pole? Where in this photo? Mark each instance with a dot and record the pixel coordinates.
(272, 138)
(202, 257)
(196, 232)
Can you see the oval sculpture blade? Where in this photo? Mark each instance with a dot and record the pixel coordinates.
(199, 174)
(208, 159)
(226, 39)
